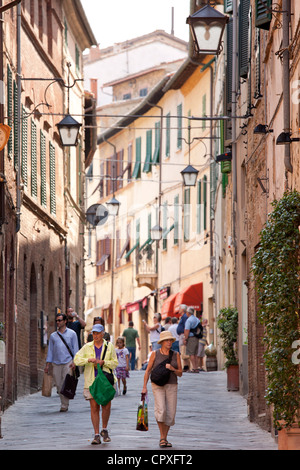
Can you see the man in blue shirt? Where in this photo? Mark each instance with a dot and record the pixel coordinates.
(61, 355)
(190, 340)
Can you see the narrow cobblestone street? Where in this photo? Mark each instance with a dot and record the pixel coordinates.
(208, 418)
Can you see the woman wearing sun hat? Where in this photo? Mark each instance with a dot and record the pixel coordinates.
(165, 396)
(89, 356)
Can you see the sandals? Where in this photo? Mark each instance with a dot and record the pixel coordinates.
(164, 443)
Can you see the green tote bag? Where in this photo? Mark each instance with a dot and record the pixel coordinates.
(101, 390)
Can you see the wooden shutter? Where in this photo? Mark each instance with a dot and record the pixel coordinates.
(137, 167)
(16, 125)
(43, 169)
(147, 165)
(52, 178)
(228, 6)
(10, 110)
(204, 202)
(24, 149)
(156, 153)
(179, 126)
(244, 28)
(176, 220)
(33, 159)
(263, 15)
(186, 208)
(168, 134)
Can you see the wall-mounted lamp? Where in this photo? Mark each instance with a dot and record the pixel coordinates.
(285, 138)
(262, 129)
(68, 129)
(207, 26)
(156, 233)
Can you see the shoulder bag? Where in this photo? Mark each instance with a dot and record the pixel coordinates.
(101, 389)
(160, 374)
(77, 373)
(108, 375)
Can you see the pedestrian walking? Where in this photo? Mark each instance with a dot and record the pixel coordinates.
(201, 348)
(154, 331)
(63, 345)
(173, 331)
(190, 340)
(131, 336)
(180, 331)
(101, 352)
(75, 323)
(165, 396)
(122, 370)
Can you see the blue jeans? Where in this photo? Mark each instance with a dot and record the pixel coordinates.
(132, 360)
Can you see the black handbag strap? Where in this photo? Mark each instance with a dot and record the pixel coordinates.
(102, 358)
(63, 340)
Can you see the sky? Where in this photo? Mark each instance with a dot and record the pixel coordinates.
(118, 20)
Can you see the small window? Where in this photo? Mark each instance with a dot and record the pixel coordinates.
(143, 92)
(127, 96)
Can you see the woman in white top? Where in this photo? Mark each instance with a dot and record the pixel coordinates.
(154, 331)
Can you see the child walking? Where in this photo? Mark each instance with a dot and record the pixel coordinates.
(122, 371)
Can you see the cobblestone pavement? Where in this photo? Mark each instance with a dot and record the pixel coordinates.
(208, 418)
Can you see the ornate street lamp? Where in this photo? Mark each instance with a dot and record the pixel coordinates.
(68, 129)
(207, 26)
(189, 175)
(113, 206)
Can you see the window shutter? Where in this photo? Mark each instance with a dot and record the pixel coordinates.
(155, 159)
(33, 159)
(16, 125)
(147, 165)
(43, 169)
(199, 201)
(179, 126)
(165, 226)
(24, 147)
(228, 6)
(168, 134)
(204, 202)
(263, 15)
(137, 167)
(52, 179)
(176, 220)
(9, 110)
(257, 84)
(229, 34)
(244, 27)
(186, 207)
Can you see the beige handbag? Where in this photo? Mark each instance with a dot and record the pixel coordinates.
(47, 385)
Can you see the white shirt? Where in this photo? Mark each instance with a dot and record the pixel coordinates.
(173, 331)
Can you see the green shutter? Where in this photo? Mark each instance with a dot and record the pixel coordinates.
(33, 159)
(176, 220)
(24, 149)
(168, 134)
(204, 202)
(244, 27)
(199, 200)
(43, 169)
(52, 179)
(179, 126)
(229, 34)
(10, 110)
(156, 153)
(164, 227)
(137, 167)
(186, 214)
(228, 6)
(263, 14)
(147, 165)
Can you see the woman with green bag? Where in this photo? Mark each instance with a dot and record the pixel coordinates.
(98, 358)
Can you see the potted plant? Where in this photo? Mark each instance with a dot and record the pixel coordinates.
(275, 267)
(227, 322)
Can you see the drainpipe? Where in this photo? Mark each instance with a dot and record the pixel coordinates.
(234, 151)
(286, 11)
(18, 204)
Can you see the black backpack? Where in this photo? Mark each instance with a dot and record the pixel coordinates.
(160, 374)
(198, 331)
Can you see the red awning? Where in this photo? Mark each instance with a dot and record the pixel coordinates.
(192, 296)
(167, 309)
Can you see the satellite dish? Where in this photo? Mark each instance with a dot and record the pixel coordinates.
(97, 214)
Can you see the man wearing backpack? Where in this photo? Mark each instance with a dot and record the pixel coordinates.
(191, 337)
